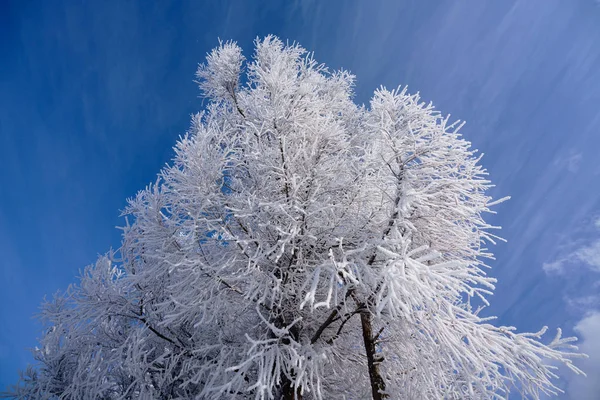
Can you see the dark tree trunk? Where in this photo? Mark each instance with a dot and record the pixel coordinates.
(373, 359)
(287, 388)
(287, 391)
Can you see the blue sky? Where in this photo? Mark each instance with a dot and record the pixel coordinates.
(93, 96)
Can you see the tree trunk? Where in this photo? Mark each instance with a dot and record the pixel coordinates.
(287, 388)
(288, 392)
(373, 359)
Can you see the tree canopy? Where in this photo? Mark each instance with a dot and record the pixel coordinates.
(298, 246)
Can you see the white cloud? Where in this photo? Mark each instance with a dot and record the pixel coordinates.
(588, 255)
(555, 267)
(584, 302)
(587, 388)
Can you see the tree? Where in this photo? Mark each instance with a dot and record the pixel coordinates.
(298, 247)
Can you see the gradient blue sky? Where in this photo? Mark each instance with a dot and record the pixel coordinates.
(93, 95)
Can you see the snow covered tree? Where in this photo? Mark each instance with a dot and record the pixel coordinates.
(298, 247)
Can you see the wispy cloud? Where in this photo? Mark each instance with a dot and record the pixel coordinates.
(590, 255)
(580, 387)
(555, 267)
(570, 162)
(587, 302)
(587, 255)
